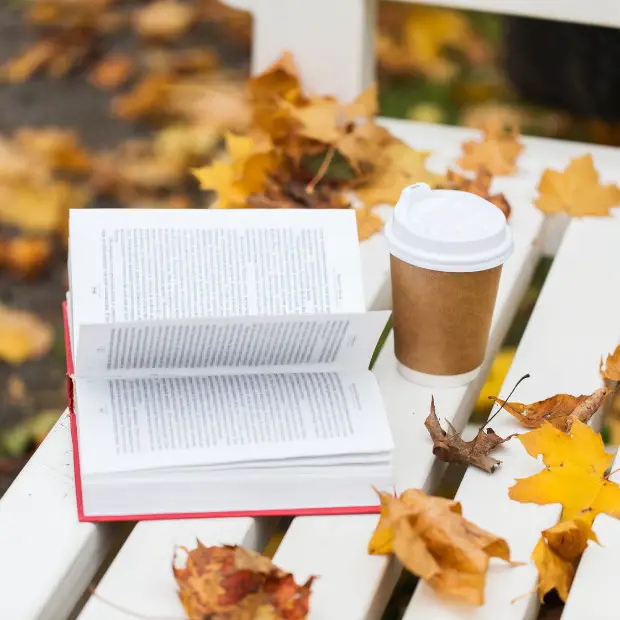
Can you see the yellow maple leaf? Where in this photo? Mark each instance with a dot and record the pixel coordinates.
(23, 336)
(432, 539)
(556, 555)
(320, 119)
(368, 223)
(576, 190)
(574, 475)
(496, 153)
(401, 165)
(611, 369)
(251, 160)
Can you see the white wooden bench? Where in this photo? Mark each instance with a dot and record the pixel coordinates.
(48, 558)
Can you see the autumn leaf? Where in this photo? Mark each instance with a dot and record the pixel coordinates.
(23, 336)
(450, 447)
(40, 208)
(479, 185)
(57, 149)
(368, 223)
(233, 583)
(574, 475)
(250, 161)
(25, 256)
(577, 190)
(497, 152)
(163, 19)
(556, 555)
(560, 410)
(432, 539)
(611, 369)
(402, 166)
(113, 71)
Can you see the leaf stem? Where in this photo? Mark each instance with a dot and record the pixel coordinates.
(527, 376)
(322, 170)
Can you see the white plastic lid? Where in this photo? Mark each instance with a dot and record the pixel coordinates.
(448, 230)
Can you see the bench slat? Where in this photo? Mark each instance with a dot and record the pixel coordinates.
(48, 557)
(561, 348)
(596, 12)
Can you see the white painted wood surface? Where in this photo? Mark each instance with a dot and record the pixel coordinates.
(595, 12)
(561, 348)
(47, 558)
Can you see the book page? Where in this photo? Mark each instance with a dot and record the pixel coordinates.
(138, 424)
(150, 264)
(230, 345)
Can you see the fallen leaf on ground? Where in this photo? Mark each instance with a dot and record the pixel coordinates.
(576, 190)
(432, 539)
(450, 447)
(23, 336)
(497, 152)
(556, 555)
(40, 208)
(479, 185)
(574, 475)
(163, 19)
(233, 583)
(25, 256)
(58, 149)
(15, 389)
(560, 410)
(113, 71)
(611, 369)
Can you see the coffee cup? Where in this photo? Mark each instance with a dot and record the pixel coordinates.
(447, 249)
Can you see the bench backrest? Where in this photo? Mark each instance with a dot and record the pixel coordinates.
(333, 40)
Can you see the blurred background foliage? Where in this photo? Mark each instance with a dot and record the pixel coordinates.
(146, 89)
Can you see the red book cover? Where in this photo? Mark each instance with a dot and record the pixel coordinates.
(146, 517)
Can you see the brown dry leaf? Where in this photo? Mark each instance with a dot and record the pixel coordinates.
(180, 62)
(451, 448)
(60, 149)
(401, 165)
(15, 389)
(40, 208)
(432, 539)
(25, 256)
(577, 190)
(611, 369)
(560, 410)
(367, 223)
(163, 19)
(147, 99)
(21, 68)
(285, 193)
(364, 147)
(575, 473)
(320, 119)
(497, 152)
(113, 71)
(479, 185)
(232, 583)
(23, 336)
(365, 105)
(556, 555)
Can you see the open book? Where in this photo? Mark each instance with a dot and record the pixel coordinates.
(218, 364)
